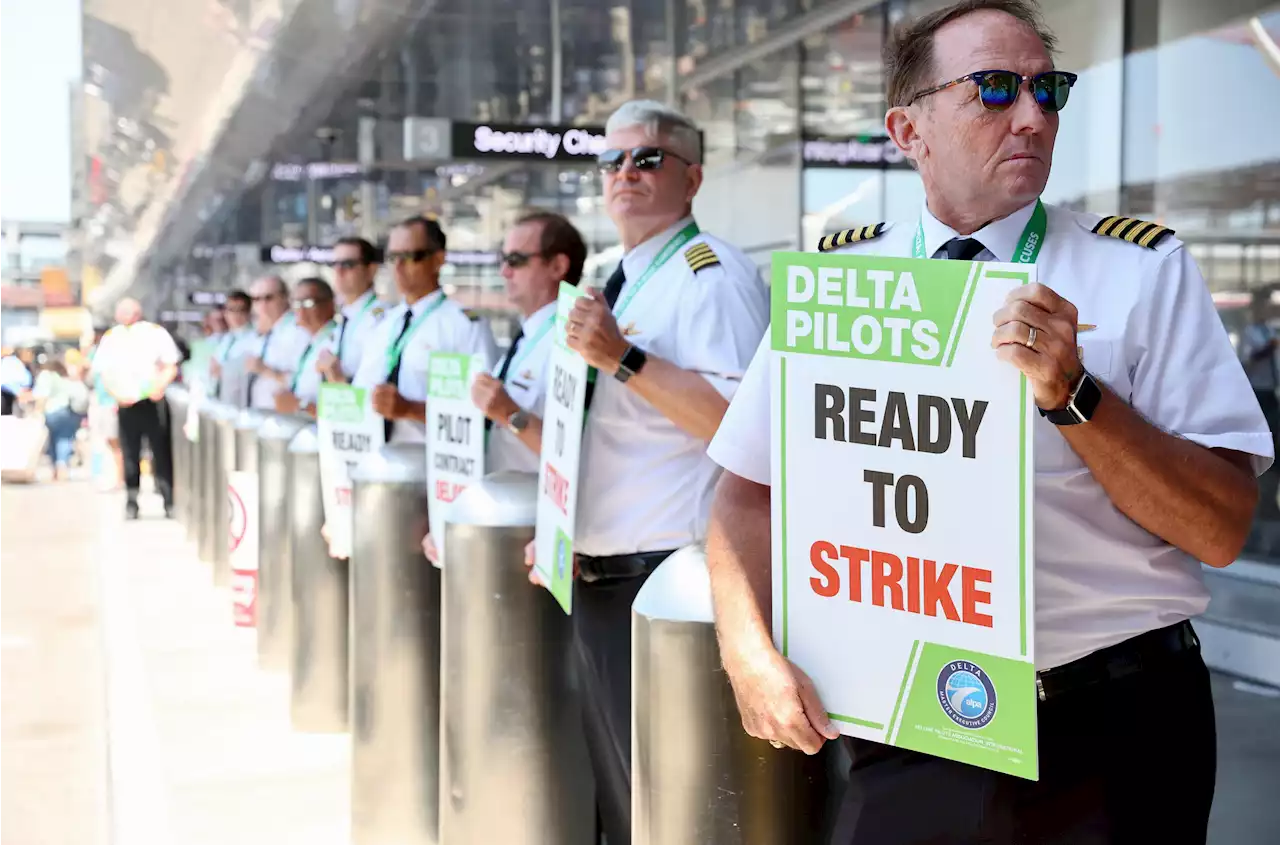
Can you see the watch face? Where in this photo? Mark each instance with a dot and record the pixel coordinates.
(1086, 398)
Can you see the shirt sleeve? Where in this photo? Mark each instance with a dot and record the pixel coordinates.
(480, 341)
(723, 314)
(741, 444)
(166, 350)
(1187, 378)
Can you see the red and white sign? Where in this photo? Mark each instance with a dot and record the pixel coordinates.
(242, 546)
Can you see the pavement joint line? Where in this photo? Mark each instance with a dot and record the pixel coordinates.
(139, 799)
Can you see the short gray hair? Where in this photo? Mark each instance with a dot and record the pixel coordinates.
(662, 122)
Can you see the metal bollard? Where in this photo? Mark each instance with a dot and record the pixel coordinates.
(318, 645)
(395, 654)
(213, 522)
(697, 776)
(242, 456)
(274, 592)
(176, 398)
(513, 766)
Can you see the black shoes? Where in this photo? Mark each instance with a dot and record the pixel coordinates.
(131, 510)
(168, 511)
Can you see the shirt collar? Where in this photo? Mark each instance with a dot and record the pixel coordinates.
(350, 310)
(537, 318)
(635, 262)
(1000, 237)
(417, 307)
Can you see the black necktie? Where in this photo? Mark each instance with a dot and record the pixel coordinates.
(506, 366)
(262, 357)
(962, 249)
(393, 377)
(612, 288)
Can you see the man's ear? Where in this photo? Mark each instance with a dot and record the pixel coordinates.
(693, 181)
(900, 124)
(560, 267)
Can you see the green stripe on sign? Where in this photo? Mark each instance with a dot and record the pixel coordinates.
(866, 723)
(1022, 516)
(902, 688)
(962, 314)
(782, 485)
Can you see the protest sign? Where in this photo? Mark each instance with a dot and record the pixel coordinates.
(902, 503)
(242, 546)
(348, 430)
(455, 435)
(558, 468)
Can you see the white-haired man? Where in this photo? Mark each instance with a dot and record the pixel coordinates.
(135, 363)
(1146, 447)
(670, 337)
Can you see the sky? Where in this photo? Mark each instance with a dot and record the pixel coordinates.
(39, 58)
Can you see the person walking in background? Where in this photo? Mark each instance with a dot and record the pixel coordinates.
(14, 379)
(136, 362)
(64, 401)
(104, 426)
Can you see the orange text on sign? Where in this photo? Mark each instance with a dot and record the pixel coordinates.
(919, 586)
(557, 489)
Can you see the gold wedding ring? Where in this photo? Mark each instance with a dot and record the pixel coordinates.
(1031, 338)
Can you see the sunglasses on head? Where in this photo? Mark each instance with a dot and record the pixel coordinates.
(412, 256)
(642, 158)
(998, 89)
(517, 259)
(349, 263)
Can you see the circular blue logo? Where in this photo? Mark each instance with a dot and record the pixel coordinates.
(966, 694)
(562, 558)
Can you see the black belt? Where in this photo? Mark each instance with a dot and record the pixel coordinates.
(1152, 649)
(616, 567)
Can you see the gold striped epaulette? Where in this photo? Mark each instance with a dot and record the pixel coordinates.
(1133, 230)
(850, 236)
(700, 256)
(471, 315)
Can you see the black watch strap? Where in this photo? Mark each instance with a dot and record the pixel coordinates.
(1080, 406)
(633, 360)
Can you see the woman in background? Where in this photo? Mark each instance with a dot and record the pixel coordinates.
(64, 401)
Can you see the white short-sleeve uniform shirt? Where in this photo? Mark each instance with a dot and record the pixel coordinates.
(356, 323)
(644, 484)
(129, 357)
(279, 350)
(307, 379)
(1160, 346)
(448, 328)
(526, 384)
(233, 384)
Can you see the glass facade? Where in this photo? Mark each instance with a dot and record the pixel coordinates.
(1176, 118)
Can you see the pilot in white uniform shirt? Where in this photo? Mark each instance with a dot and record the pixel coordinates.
(357, 324)
(526, 384)
(280, 350)
(448, 328)
(306, 379)
(233, 384)
(646, 485)
(1151, 334)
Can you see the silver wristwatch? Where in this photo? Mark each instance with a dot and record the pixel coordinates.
(518, 421)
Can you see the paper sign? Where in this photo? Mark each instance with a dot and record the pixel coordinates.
(242, 546)
(455, 435)
(902, 503)
(348, 430)
(558, 468)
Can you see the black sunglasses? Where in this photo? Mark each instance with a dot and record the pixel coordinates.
(412, 256)
(310, 302)
(998, 89)
(643, 158)
(349, 263)
(515, 260)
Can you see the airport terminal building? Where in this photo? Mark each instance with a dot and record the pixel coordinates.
(219, 140)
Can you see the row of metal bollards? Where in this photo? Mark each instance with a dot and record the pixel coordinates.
(455, 685)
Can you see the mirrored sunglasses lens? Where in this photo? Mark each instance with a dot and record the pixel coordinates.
(515, 259)
(1052, 90)
(610, 159)
(998, 89)
(647, 158)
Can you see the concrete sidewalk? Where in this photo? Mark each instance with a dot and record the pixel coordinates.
(201, 747)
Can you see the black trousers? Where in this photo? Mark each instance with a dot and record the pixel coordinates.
(602, 660)
(150, 420)
(1131, 760)
(6, 409)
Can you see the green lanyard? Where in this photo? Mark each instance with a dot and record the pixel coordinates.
(309, 354)
(680, 238)
(531, 344)
(354, 321)
(397, 349)
(1028, 245)
(228, 340)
